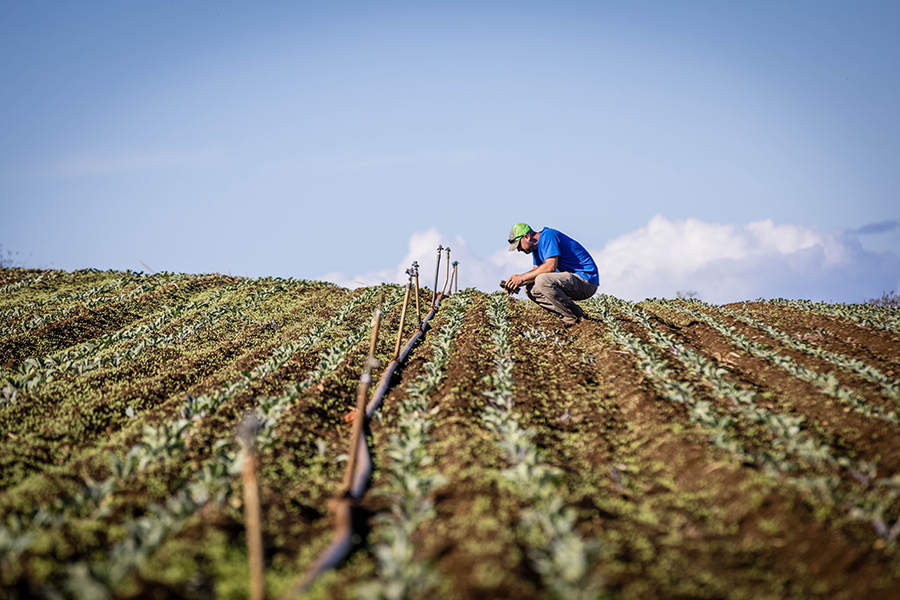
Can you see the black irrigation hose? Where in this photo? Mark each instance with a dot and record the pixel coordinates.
(364, 469)
(344, 507)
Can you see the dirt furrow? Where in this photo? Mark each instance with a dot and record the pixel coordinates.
(871, 391)
(853, 434)
(689, 520)
(879, 347)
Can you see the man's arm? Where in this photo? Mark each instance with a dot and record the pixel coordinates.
(516, 281)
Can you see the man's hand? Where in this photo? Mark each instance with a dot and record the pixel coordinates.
(514, 282)
(510, 290)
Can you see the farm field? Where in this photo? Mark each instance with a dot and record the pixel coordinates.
(661, 449)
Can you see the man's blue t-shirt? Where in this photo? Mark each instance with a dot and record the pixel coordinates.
(573, 258)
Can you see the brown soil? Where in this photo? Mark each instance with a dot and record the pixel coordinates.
(671, 514)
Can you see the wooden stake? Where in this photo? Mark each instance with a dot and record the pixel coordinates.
(447, 278)
(375, 327)
(454, 282)
(403, 315)
(152, 272)
(247, 435)
(415, 267)
(361, 393)
(437, 271)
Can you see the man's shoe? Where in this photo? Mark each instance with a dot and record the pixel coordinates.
(570, 321)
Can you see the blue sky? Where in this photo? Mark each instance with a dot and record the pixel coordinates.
(338, 140)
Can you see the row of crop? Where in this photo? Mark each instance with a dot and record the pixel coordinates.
(39, 321)
(359, 456)
(81, 278)
(88, 356)
(24, 310)
(890, 388)
(32, 280)
(213, 481)
(161, 440)
(204, 404)
(865, 315)
(86, 349)
(790, 440)
(105, 351)
(866, 497)
(410, 481)
(85, 409)
(63, 278)
(168, 439)
(557, 552)
(826, 383)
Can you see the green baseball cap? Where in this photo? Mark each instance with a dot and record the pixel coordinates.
(515, 234)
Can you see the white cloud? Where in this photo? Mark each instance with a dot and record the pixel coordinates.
(726, 263)
(97, 164)
(722, 262)
(482, 273)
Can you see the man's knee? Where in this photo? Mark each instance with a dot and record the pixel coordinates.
(542, 282)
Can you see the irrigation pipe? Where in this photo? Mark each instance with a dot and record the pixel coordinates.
(454, 283)
(362, 391)
(357, 459)
(344, 506)
(437, 271)
(403, 314)
(447, 278)
(415, 266)
(372, 406)
(336, 551)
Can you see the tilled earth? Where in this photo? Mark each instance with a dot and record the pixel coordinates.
(667, 508)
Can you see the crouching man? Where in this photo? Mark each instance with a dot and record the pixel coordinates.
(563, 271)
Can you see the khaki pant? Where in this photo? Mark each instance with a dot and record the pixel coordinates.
(557, 292)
